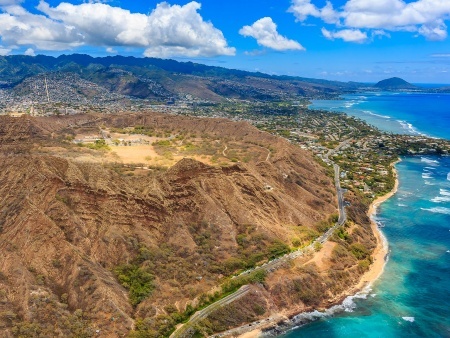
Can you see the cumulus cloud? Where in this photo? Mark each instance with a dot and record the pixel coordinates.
(29, 52)
(265, 32)
(302, 9)
(425, 17)
(348, 35)
(167, 31)
(24, 28)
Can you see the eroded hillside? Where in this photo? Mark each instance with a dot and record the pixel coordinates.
(96, 247)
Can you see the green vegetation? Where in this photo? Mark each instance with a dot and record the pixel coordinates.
(234, 284)
(137, 280)
(97, 145)
(162, 143)
(163, 325)
(253, 248)
(359, 251)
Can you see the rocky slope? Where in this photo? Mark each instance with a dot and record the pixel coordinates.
(71, 232)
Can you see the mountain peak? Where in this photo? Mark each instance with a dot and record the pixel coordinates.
(394, 83)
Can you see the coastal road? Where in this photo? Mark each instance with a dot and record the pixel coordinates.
(340, 194)
(202, 314)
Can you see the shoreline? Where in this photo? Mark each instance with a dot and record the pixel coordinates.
(379, 255)
(382, 250)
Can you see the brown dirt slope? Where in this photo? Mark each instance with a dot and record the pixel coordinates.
(66, 226)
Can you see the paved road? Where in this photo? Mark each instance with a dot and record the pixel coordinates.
(202, 314)
(340, 195)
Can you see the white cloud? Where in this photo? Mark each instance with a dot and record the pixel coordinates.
(29, 52)
(31, 29)
(425, 17)
(4, 50)
(265, 32)
(167, 31)
(434, 32)
(348, 35)
(304, 8)
(9, 2)
(380, 33)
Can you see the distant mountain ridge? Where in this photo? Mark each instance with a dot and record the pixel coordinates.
(395, 83)
(152, 78)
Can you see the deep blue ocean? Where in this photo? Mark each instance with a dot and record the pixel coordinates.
(402, 113)
(412, 297)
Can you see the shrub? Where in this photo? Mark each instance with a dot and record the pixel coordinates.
(137, 280)
(359, 251)
(98, 145)
(364, 265)
(278, 248)
(162, 143)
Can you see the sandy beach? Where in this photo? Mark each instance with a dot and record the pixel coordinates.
(381, 251)
(251, 334)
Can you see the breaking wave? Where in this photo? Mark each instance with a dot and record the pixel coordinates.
(438, 210)
(409, 127)
(409, 319)
(377, 115)
(426, 175)
(444, 197)
(348, 305)
(429, 161)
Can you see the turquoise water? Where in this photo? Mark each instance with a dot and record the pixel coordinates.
(404, 113)
(412, 297)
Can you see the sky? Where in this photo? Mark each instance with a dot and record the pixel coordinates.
(345, 40)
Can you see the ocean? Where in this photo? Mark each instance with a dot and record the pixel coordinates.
(401, 113)
(412, 297)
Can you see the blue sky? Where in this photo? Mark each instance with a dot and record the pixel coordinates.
(347, 40)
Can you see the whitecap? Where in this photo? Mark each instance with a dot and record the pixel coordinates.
(429, 183)
(429, 161)
(349, 104)
(377, 115)
(348, 305)
(438, 210)
(444, 196)
(448, 177)
(444, 192)
(409, 319)
(402, 205)
(380, 224)
(441, 199)
(408, 127)
(426, 175)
